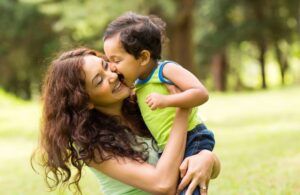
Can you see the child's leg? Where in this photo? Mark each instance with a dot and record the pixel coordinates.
(200, 138)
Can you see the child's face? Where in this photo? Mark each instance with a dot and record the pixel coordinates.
(125, 63)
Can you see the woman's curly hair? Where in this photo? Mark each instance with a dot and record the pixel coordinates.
(74, 135)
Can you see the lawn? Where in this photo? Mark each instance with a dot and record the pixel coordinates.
(257, 133)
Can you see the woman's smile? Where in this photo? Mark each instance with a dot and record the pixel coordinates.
(118, 87)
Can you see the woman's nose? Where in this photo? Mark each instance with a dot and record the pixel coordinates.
(112, 76)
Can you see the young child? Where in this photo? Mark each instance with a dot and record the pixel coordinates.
(133, 43)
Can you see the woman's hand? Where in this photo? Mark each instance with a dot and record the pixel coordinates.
(197, 170)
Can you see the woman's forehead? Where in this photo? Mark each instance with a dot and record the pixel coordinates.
(89, 59)
(92, 63)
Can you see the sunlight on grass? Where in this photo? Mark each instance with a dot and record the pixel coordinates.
(257, 141)
(257, 137)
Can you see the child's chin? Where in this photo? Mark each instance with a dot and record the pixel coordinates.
(124, 82)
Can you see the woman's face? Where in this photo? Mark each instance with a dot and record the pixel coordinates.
(103, 85)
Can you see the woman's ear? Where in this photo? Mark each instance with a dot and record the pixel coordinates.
(145, 57)
(91, 106)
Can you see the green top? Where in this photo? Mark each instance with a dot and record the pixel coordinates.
(110, 186)
(159, 121)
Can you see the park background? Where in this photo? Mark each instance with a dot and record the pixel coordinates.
(247, 53)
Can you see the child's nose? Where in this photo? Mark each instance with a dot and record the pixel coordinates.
(112, 67)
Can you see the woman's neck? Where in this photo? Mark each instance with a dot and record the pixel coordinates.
(116, 110)
(113, 110)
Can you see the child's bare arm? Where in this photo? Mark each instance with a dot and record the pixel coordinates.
(193, 92)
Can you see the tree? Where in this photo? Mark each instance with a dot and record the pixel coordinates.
(266, 25)
(85, 22)
(27, 38)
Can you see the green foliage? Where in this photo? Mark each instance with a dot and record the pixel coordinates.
(27, 38)
(267, 25)
(83, 22)
(32, 30)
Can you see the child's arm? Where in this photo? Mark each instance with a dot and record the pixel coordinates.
(193, 92)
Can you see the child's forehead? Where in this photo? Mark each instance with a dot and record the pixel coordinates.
(113, 46)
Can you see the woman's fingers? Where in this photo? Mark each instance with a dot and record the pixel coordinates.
(203, 186)
(183, 167)
(193, 185)
(184, 182)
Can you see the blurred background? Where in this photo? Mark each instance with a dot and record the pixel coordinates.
(247, 53)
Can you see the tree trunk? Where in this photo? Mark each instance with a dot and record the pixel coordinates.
(282, 61)
(180, 33)
(219, 70)
(262, 52)
(27, 89)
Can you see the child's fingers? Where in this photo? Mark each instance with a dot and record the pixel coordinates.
(148, 98)
(153, 106)
(150, 103)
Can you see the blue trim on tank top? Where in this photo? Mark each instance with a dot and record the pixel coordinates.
(140, 81)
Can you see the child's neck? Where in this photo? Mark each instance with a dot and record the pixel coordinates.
(146, 71)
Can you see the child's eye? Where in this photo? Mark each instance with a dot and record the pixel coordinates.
(116, 61)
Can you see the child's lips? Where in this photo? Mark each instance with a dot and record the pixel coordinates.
(124, 82)
(122, 79)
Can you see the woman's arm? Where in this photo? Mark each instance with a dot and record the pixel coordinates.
(161, 179)
(198, 170)
(193, 92)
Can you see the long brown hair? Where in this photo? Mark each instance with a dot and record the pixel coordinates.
(74, 135)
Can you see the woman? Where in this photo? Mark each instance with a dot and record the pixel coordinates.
(89, 118)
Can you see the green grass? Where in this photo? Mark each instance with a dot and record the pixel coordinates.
(257, 141)
(257, 137)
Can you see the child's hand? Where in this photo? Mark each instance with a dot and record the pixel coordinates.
(156, 100)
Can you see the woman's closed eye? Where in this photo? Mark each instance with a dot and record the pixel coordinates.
(104, 64)
(97, 80)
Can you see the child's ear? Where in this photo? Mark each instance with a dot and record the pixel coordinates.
(145, 57)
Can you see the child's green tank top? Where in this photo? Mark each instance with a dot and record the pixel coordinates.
(159, 121)
(110, 186)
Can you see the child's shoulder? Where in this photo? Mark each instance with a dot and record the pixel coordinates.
(167, 63)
